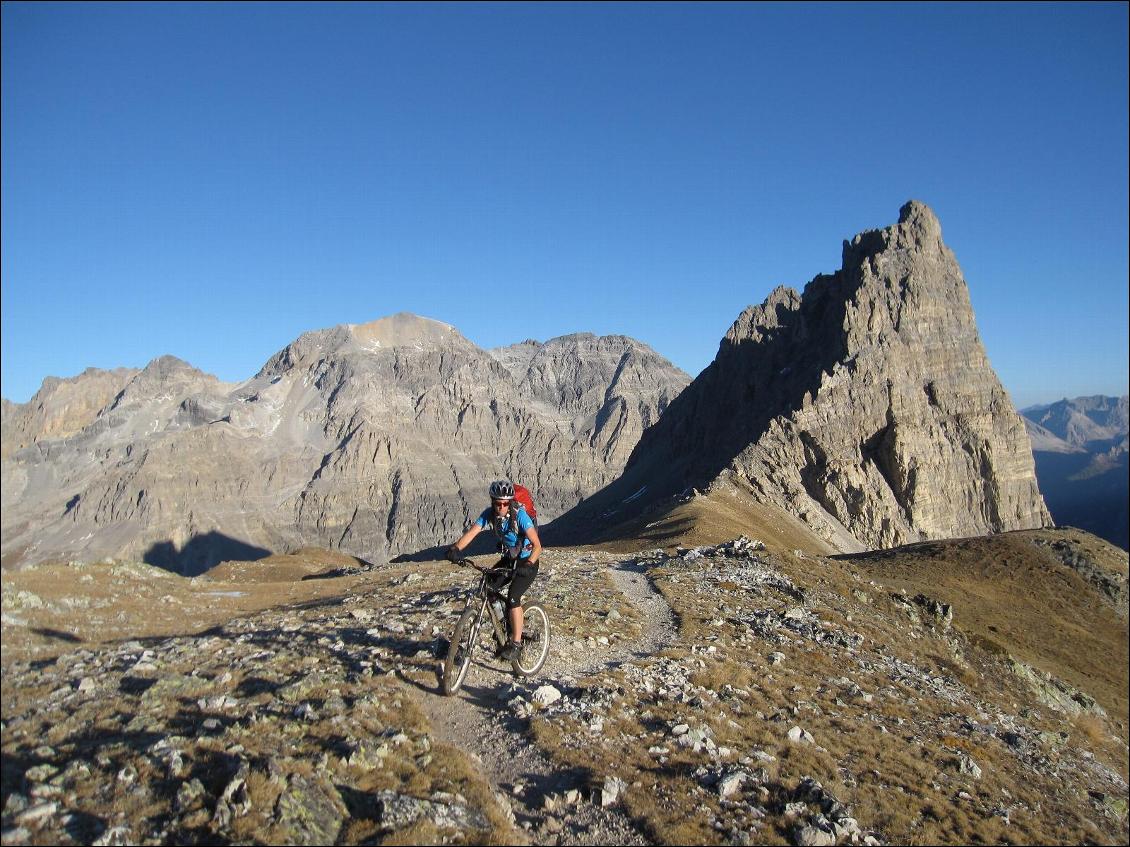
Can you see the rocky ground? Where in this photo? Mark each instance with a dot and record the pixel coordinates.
(717, 694)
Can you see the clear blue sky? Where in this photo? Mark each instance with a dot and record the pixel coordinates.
(211, 181)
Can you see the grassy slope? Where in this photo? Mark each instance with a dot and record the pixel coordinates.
(712, 519)
(1007, 591)
(1010, 598)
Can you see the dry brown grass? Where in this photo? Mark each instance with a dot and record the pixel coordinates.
(87, 604)
(269, 738)
(1012, 597)
(714, 518)
(902, 782)
(1092, 729)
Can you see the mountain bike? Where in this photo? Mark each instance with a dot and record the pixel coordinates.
(490, 603)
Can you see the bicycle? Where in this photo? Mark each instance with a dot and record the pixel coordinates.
(490, 601)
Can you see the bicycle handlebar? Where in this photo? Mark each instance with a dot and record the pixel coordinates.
(480, 568)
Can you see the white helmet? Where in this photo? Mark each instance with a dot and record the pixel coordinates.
(502, 489)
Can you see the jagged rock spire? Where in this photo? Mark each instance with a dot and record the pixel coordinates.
(866, 406)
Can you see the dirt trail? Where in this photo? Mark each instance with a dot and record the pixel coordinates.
(478, 721)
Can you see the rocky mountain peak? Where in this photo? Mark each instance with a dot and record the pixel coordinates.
(918, 213)
(165, 377)
(865, 406)
(406, 330)
(165, 372)
(164, 367)
(308, 348)
(918, 225)
(402, 331)
(615, 386)
(917, 229)
(756, 323)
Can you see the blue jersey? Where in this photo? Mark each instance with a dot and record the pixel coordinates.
(507, 531)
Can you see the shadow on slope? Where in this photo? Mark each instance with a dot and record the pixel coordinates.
(729, 406)
(702, 519)
(484, 545)
(305, 563)
(58, 634)
(1080, 491)
(201, 553)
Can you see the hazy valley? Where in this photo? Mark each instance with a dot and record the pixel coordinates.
(1080, 448)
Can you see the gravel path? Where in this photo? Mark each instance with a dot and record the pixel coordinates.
(478, 721)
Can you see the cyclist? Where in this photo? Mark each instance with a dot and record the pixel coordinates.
(521, 549)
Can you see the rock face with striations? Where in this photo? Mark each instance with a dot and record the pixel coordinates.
(866, 406)
(611, 387)
(377, 439)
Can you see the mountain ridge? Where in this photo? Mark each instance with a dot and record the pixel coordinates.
(374, 438)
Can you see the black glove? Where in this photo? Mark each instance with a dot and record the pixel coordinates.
(452, 554)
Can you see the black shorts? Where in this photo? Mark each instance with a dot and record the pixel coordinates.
(520, 579)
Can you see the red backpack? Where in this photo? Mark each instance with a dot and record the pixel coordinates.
(524, 499)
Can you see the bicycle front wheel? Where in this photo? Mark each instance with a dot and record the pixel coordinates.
(459, 651)
(535, 641)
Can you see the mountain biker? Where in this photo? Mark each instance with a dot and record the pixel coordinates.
(521, 547)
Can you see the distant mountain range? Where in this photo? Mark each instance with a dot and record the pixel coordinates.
(947, 691)
(864, 410)
(377, 439)
(1080, 448)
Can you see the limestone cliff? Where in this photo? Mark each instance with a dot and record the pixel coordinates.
(61, 407)
(377, 439)
(866, 406)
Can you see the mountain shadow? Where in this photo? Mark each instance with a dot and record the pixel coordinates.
(1083, 494)
(484, 545)
(202, 553)
(730, 405)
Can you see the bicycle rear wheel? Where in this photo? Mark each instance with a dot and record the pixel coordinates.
(535, 641)
(459, 652)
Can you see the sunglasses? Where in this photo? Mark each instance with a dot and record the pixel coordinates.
(501, 504)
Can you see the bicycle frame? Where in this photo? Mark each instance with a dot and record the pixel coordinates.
(486, 597)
